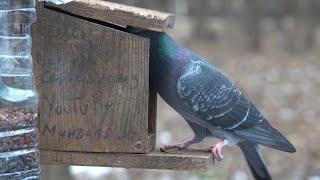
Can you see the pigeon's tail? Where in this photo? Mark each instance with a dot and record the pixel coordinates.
(266, 135)
(255, 160)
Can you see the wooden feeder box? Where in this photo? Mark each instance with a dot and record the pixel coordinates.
(92, 75)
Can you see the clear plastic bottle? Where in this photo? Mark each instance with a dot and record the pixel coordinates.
(19, 137)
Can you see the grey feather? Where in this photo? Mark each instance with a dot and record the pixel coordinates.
(255, 160)
(213, 97)
(266, 135)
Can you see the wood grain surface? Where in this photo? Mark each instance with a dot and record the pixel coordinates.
(119, 14)
(93, 83)
(172, 160)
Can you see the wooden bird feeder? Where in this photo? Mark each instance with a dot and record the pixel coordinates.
(96, 105)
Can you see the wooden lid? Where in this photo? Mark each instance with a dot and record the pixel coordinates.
(118, 14)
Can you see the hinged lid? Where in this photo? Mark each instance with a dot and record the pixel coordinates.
(118, 14)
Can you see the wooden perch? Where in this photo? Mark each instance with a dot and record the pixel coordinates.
(172, 160)
(119, 14)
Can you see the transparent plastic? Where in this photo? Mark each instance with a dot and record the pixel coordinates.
(57, 1)
(19, 137)
(16, 4)
(20, 164)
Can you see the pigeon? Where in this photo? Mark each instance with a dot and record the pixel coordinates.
(210, 103)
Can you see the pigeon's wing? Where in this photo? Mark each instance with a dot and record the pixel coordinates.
(215, 99)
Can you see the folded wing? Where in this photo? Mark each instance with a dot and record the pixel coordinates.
(215, 99)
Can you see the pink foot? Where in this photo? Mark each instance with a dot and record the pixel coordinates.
(216, 150)
(179, 146)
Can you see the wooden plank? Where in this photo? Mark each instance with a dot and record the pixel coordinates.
(93, 83)
(172, 160)
(119, 14)
(152, 124)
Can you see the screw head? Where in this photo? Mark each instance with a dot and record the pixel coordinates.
(138, 145)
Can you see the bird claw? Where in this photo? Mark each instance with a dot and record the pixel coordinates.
(163, 149)
(178, 146)
(182, 146)
(216, 150)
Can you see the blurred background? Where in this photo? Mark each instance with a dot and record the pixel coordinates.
(271, 50)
